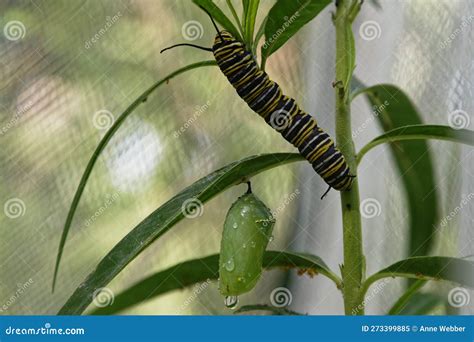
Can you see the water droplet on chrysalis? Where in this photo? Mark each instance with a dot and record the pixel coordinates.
(231, 301)
(244, 210)
(271, 238)
(235, 225)
(229, 265)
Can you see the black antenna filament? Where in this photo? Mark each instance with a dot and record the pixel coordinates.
(213, 22)
(185, 44)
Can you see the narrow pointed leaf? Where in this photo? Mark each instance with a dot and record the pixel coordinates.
(351, 55)
(459, 271)
(422, 304)
(250, 14)
(260, 32)
(102, 144)
(197, 271)
(165, 217)
(235, 16)
(285, 19)
(403, 301)
(218, 16)
(393, 109)
(420, 132)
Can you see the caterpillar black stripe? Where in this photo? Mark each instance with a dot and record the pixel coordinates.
(280, 111)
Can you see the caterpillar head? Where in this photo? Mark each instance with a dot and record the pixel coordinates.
(224, 38)
(226, 46)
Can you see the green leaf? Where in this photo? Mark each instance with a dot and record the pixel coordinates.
(219, 16)
(459, 271)
(422, 304)
(402, 302)
(351, 55)
(196, 271)
(259, 36)
(264, 307)
(165, 217)
(260, 32)
(420, 132)
(285, 19)
(250, 14)
(393, 109)
(236, 17)
(105, 140)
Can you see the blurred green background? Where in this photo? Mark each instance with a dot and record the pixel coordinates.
(65, 90)
(60, 88)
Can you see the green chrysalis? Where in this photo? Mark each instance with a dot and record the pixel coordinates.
(247, 231)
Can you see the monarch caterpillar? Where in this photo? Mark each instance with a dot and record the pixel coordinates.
(266, 98)
(247, 230)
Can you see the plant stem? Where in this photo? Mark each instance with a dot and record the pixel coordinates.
(354, 262)
(419, 132)
(236, 17)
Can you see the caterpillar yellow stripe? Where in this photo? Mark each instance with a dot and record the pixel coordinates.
(281, 112)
